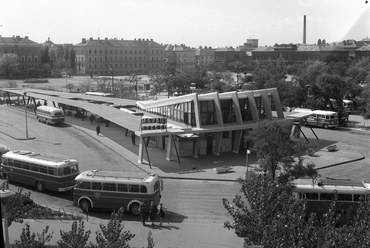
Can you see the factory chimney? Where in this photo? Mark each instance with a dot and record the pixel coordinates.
(304, 29)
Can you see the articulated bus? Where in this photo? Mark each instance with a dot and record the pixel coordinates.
(320, 118)
(50, 115)
(321, 194)
(45, 171)
(115, 189)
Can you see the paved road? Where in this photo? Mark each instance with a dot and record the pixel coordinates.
(196, 211)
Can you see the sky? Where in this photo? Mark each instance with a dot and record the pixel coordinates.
(215, 23)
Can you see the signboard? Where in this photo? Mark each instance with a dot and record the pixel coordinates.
(159, 123)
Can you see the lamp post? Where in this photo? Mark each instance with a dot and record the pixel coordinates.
(25, 112)
(135, 81)
(112, 90)
(246, 161)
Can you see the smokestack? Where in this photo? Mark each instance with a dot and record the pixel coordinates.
(304, 29)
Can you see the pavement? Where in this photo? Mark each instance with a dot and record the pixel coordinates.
(201, 168)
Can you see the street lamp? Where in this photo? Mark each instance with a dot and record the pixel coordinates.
(112, 90)
(247, 161)
(25, 112)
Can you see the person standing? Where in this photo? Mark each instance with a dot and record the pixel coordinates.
(161, 213)
(98, 129)
(133, 137)
(142, 213)
(152, 212)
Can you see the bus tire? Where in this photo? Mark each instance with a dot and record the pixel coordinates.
(326, 126)
(135, 208)
(85, 205)
(39, 186)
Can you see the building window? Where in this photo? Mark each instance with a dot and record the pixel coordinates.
(35, 59)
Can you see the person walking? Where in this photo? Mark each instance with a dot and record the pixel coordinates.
(152, 212)
(98, 129)
(161, 213)
(142, 213)
(133, 137)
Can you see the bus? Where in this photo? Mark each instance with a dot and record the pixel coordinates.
(97, 189)
(321, 194)
(320, 118)
(45, 171)
(99, 94)
(50, 115)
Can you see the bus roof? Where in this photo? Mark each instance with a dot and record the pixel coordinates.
(39, 158)
(331, 186)
(115, 176)
(48, 108)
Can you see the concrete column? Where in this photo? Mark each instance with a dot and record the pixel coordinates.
(141, 149)
(217, 147)
(196, 148)
(169, 147)
(237, 140)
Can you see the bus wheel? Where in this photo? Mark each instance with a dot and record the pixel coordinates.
(39, 186)
(85, 205)
(326, 126)
(135, 208)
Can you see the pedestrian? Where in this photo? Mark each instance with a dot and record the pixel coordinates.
(152, 212)
(161, 213)
(133, 137)
(142, 213)
(98, 129)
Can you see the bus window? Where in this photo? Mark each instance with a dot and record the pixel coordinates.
(17, 164)
(96, 186)
(312, 196)
(34, 167)
(134, 188)
(84, 185)
(25, 165)
(143, 189)
(109, 187)
(358, 197)
(122, 187)
(66, 171)
(327, 197)
(344, 197)
(52, 171)
(74, 169)
(43, 169)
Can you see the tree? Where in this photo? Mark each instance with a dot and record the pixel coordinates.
(365, 98)
(112, 235)
(277, 151)
(76, 238)
(9, 63)
(29, 240)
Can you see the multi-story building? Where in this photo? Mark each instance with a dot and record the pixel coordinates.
(28, 51)
(204, 57)
(120, 57)
(184, 58)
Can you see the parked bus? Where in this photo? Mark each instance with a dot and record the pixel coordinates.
(320, 118)
(115, 189)
(321, 194)
(50, 115)
(45, 171)
(99, 94)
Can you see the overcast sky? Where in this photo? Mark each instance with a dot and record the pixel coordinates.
(216, 23)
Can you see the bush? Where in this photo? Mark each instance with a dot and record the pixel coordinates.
(35, 81)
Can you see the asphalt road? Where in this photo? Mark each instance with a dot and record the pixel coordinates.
(189, 202)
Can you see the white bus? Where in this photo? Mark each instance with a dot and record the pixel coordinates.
(99, 94)
(320, 118)
(115, 189)
(321, 194)
(50, 115)
(45, 171)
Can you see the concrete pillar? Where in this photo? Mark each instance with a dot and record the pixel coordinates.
(169, 147)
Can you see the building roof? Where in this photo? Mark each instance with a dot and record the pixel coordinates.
(364, 48)
(16, 40)
(205, 52)
(308, 48)
(264, 49)
(118, 43)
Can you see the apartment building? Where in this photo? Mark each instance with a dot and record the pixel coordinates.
(204, 57)
(28, 52)
(118, 56)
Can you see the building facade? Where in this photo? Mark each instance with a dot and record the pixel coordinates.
(28, 52)
(119, 57)
(204, 57)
